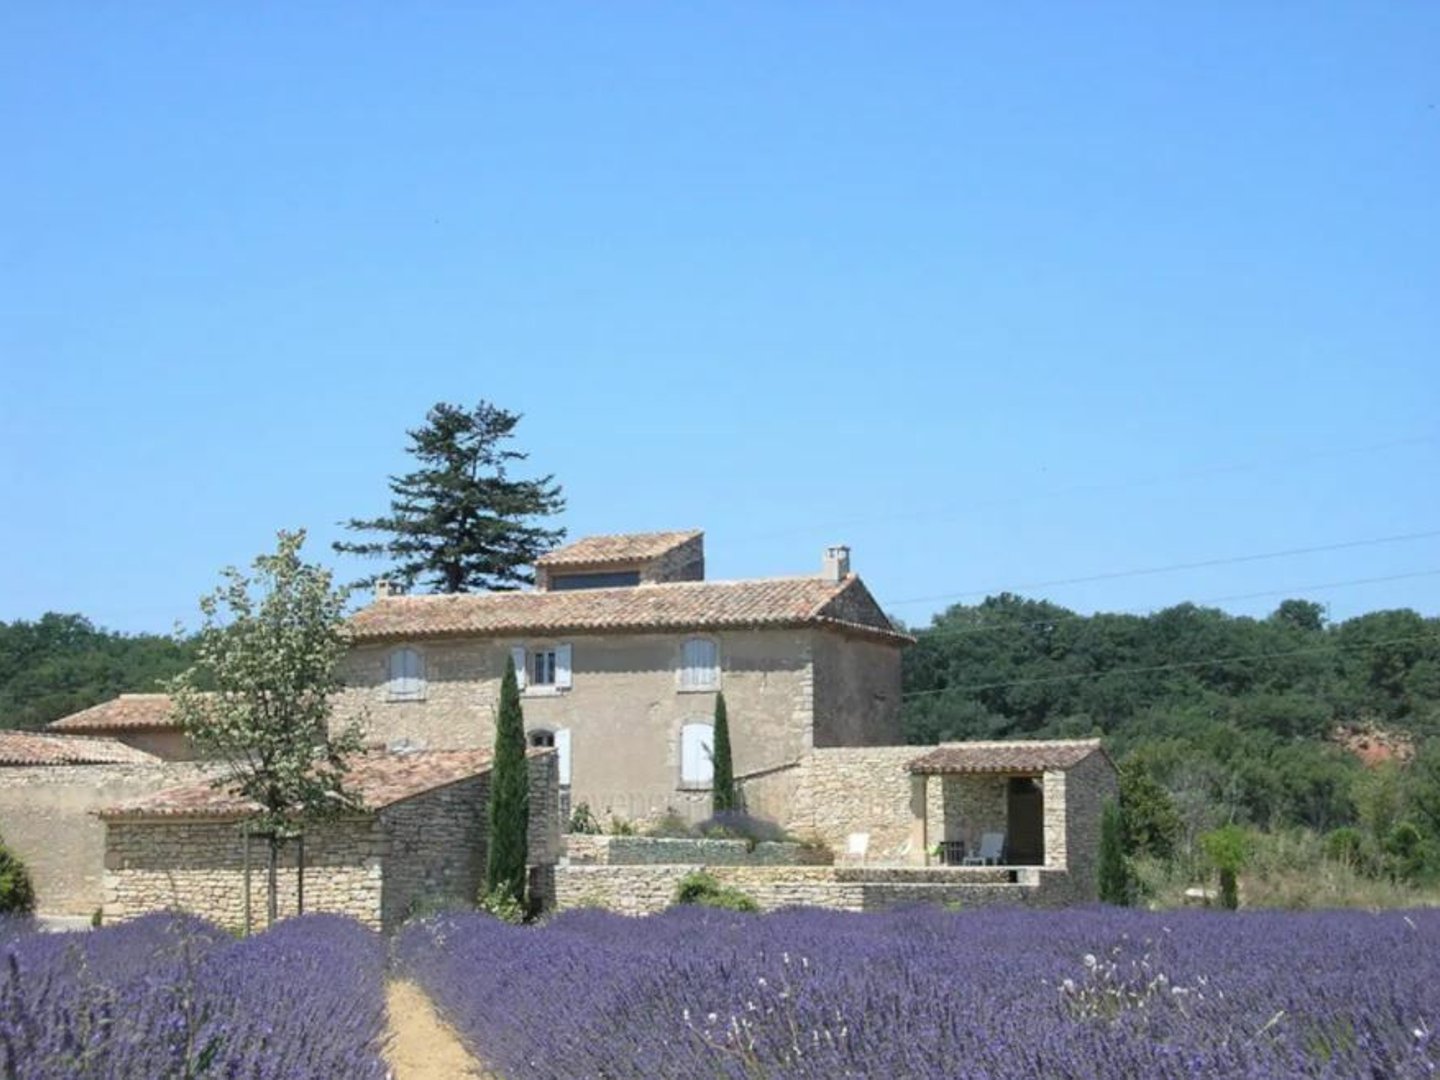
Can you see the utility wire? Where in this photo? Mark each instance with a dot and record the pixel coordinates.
(1231, 560)
(1180, 665)
(1197, 473)
(1075, 616)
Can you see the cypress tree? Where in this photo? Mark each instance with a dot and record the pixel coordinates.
(1113, 873)
(723, 784)
(509, 795)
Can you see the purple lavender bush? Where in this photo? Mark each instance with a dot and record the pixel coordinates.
(923, 993)
(173, 996)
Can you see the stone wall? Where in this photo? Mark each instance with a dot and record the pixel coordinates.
(378, 868)
(436, 845)
(645, 890)
(1087, 787)
(857, 692)
(47, 818)
(198, 865)
(847, 790)
(973, 804)
(653, 850)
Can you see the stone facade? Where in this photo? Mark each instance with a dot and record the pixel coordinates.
(379, 868)
(625, 709)
(656, 850)
(47, 816)
(645, 890)
(850, 790)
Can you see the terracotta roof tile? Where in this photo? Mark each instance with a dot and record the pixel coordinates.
(380, 778)
(128, 712)
(683, 605)
(37, 748)
(620, 548)
(1035, 755)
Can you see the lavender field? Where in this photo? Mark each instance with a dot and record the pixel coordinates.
(927, 993)
(168, 996)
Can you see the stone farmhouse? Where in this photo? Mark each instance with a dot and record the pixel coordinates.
(622, 648)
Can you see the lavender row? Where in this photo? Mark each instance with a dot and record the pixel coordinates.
(168, 996)
(926, 993)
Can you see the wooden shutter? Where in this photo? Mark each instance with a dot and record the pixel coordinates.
(517, 653)
(407, 676)
(562, 667)
(562, 751)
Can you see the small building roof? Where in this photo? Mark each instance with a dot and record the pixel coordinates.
(380, 778)
(1014, 756)
(128, 712)
(618, 548)
(41, 748)
(681, 605)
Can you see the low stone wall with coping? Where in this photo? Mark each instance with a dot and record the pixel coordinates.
(584, 849)
(645, 890)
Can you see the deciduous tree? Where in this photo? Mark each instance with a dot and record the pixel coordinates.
(258, 697)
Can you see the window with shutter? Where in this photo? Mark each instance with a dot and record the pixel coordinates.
(697, 766)
(699, 664)
(406, 681)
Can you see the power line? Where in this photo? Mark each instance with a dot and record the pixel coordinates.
(1175, 567)
(1003, 627)
(1166, 667)
(1197, 473)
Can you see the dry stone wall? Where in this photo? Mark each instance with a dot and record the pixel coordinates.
(47, 817)
(199, 866)
(645, 890)
(652, 850)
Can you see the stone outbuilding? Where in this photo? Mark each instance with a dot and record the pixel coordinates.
(143, 721)
(420, 842)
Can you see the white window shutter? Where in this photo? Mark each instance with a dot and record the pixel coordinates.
(517, 653)
(562, 667)
(696, 763)
(562, 751)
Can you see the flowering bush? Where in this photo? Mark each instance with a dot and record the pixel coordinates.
(926, 993)
(172, 996)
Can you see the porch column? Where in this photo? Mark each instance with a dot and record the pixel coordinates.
(919, 820)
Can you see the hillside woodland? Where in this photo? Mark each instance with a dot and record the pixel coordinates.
(1322, 734)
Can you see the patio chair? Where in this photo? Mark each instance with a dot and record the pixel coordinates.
(857, 844)
(992, 850)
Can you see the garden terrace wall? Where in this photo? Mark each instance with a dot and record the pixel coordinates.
(47, 819)
(657, 850)
(379, 868)
(645, 890)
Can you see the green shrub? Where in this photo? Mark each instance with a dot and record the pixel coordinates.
(1228, 848)
(1115, 883)
(502, 904)
(620, 826)
(583, 822)
(1405, 852)
(17, 892)
(671, 827)
(737, 825)
(1345, 845)
(701, 888)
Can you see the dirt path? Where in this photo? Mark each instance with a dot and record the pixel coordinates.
(422, 1046)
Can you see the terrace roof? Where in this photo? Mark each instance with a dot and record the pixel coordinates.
(1015, 756)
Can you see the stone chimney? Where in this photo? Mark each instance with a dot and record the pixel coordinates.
(836, 564)
(382, 589)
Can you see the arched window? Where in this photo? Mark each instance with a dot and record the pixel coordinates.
(699, 664)
(697, 757)
(406, 675)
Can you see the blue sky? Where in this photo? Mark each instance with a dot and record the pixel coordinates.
(998, 295)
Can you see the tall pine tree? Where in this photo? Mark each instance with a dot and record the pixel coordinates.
(509, 795)
(723, 784)
(460, 522)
